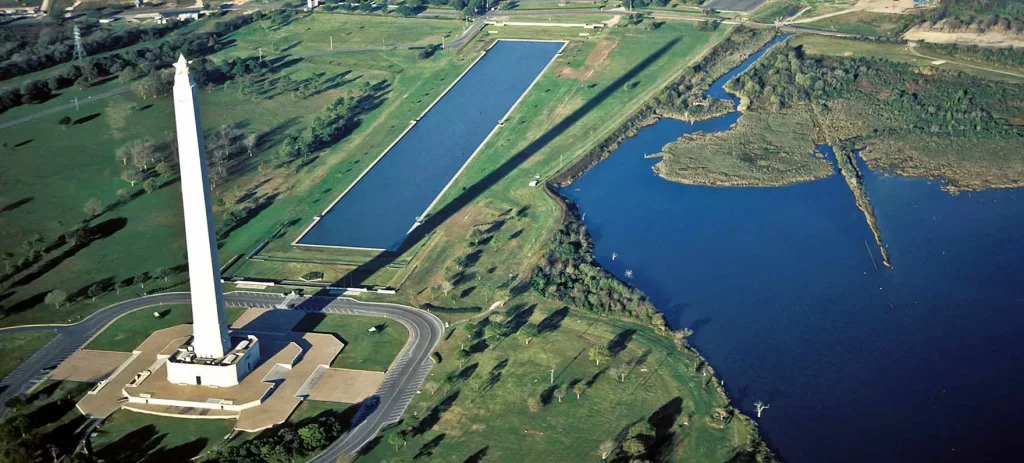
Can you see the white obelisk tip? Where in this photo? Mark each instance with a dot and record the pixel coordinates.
(181, 66)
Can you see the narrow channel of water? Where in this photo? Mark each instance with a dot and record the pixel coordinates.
(919, 363)
(384, 204)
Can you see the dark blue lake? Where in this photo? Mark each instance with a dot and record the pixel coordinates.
(920, 363)
(383, 206)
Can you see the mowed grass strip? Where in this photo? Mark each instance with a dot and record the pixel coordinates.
(15, 348)
(129, 331)
(131, 436)
(364, 350)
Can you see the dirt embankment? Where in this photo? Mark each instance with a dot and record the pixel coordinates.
(971, 35)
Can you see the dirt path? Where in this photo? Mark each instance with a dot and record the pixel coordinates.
(912, 47)
(815, 18)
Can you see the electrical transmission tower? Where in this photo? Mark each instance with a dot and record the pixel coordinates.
(79, 53)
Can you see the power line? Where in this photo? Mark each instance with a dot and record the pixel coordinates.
(79, 53)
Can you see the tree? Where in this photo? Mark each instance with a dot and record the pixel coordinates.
(599, 353)
(462, 356)
(164, 170)
(634, 446)
(64, 122)
(642, 428)
(131, 175)
(7, 257)
(95, 291)
(529, 332)
(447, 286)
(123, 195)
(397, 440)
(533, 404)
(761, 406)
(93, 207)
(606, 449)
(150, 185)
(124, 154)
(312, 437)
(559, 394)
(250, 142)
(56, 298)
(119, 286)
(681, 338)
(578, 390)
(494, 330)
(166, 273)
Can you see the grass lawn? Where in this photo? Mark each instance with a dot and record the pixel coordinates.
(865, 23)
(18, 347)
(125, 334)
(130, 436)
(51, 177)
(662, 388)
(363, 350)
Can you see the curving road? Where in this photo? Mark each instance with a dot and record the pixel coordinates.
(400, 384)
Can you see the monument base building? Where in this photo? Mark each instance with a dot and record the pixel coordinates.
(185, 367)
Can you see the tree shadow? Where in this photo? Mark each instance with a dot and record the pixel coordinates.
(478, 456)
(16, 204)
(91, 235)
(621, 340)
(593, 379)
(471, 193)
(663, 421)
(519, 318)
(85, 119)
(553, 321)
(428, 422)
(428, 449)
(548, 394)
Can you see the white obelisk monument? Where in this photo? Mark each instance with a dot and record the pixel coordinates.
(209, 324)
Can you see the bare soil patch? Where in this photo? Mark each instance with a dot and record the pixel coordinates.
(885, 6)
(970, 36)
(594, 59)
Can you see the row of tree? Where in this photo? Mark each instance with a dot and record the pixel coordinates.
(28, 49)
(334, 123)
(1009, 57)
(140, 62)
(287, 442)
(980, 14)
(570, 274)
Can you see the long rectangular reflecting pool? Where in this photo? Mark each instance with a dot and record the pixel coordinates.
(406, 180)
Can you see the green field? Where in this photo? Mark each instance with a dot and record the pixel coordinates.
(865, 23)
(363, 350)
(49, 178)
(128, 332)
(660, 386)
(18, 347)
(131, 436)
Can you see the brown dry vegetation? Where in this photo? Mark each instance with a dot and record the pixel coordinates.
(761, 150)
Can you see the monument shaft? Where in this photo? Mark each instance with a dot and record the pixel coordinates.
(209, 324)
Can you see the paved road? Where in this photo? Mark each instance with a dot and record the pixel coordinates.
(400, 384)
